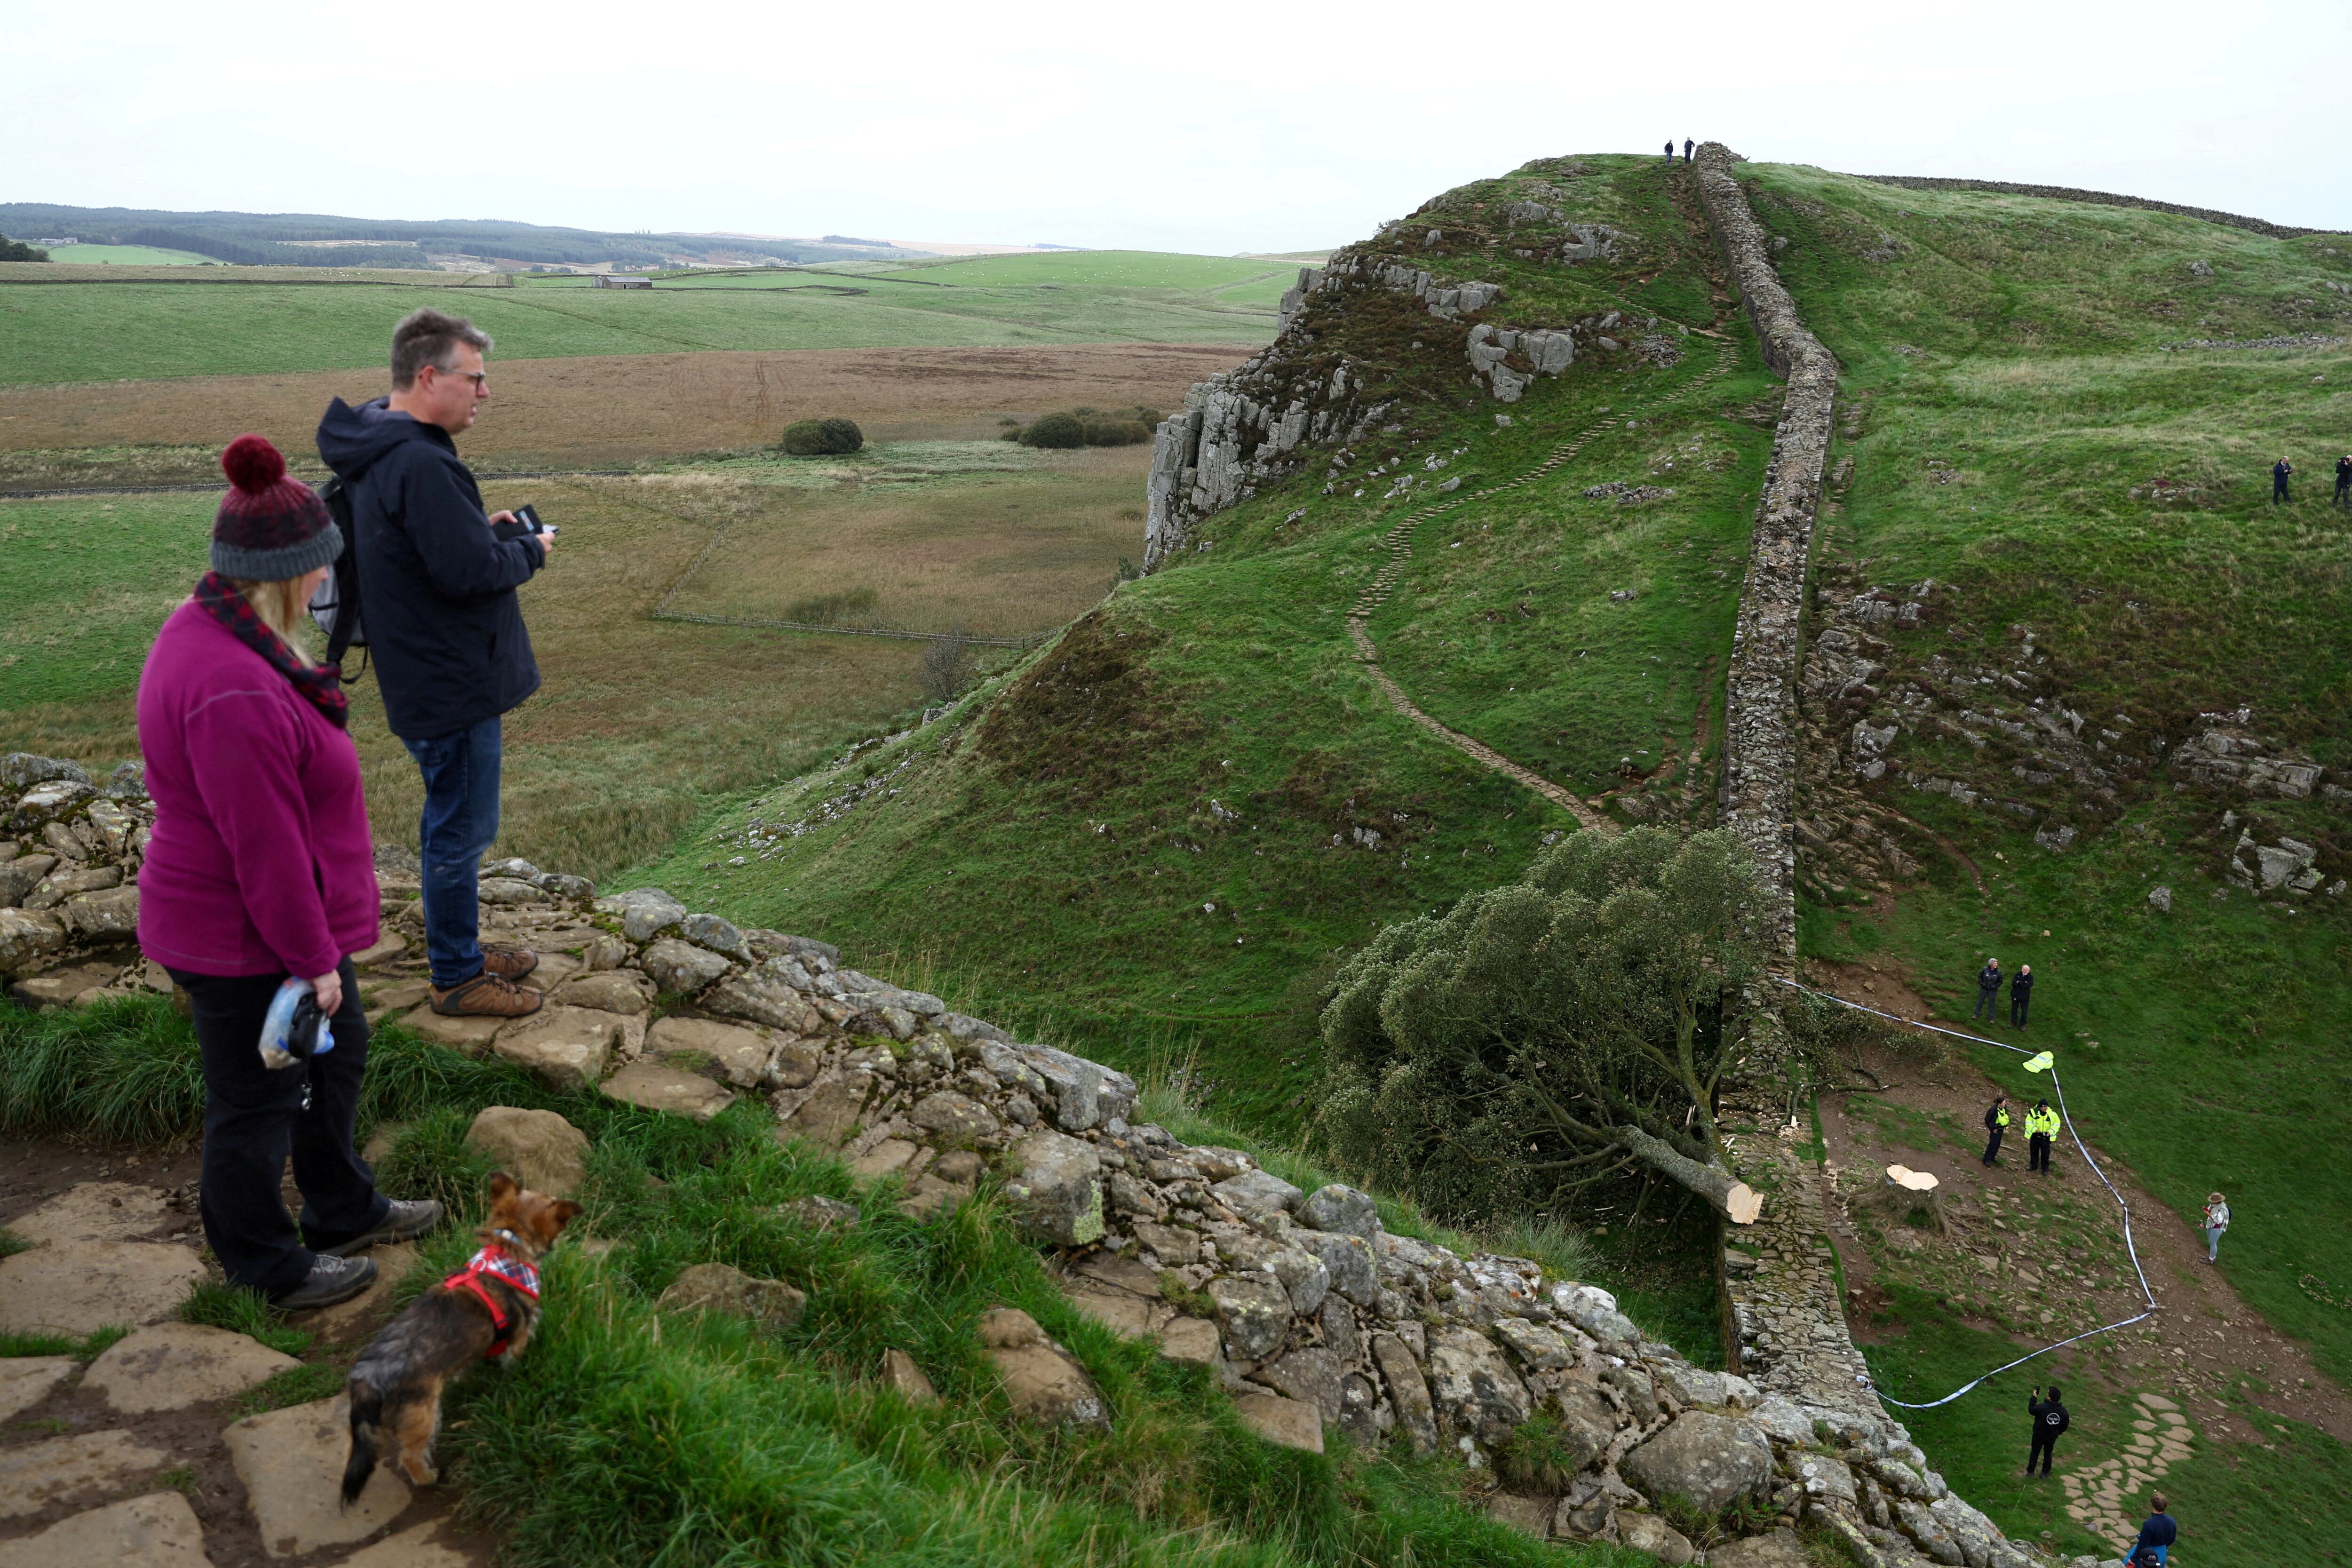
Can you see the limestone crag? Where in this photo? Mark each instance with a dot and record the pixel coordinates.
(1244, 427)
(1760, 736)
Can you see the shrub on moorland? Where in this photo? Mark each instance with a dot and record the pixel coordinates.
(1060, 430)
(1116, 433)
(822, 437)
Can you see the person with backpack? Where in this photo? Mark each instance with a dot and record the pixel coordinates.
(1996, 1120)
(445, 631)
(2158, 1532)
(2050, 1424)
(258, 884)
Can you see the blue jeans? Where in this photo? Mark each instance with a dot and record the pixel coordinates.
(461, 823)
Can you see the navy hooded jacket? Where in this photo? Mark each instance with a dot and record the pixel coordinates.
(437, 589)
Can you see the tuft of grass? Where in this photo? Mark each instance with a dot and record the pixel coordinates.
(88, 1348)
(244, 1310)
(123, 1071)
(303, 1384)
(12, 1244)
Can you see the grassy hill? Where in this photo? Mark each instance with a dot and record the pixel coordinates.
(1146, 837)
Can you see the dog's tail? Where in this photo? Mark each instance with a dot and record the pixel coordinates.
(367, 1414)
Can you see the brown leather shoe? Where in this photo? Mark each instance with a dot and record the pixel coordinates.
(510, 963)
(487, 996)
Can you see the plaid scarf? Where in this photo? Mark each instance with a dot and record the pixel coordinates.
(319, 684)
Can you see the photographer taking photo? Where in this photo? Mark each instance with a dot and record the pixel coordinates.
(260, 868)
(445, 631)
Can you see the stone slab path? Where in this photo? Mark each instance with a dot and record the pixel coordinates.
(140, 1458)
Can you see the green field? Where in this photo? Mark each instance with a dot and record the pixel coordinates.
(126, 256)
(106, 330)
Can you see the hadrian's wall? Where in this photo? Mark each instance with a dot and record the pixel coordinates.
(1760, 736)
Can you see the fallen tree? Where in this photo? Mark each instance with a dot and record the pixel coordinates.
(1539, 1040)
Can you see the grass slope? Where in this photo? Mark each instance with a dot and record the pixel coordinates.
(105, 330)
(631, 1437)
(2016, 385)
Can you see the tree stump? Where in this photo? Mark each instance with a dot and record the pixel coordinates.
(1904, 1189)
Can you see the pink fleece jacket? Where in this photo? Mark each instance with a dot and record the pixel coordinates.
(261, 862)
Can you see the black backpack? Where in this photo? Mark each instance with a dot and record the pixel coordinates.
(336, 605)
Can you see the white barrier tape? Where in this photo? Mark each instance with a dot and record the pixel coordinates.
(2058, 1090)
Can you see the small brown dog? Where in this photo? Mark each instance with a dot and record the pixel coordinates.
(484, 1312)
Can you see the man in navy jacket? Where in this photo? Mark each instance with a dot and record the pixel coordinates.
(443, 630)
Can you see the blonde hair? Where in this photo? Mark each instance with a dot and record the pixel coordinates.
(283, 607)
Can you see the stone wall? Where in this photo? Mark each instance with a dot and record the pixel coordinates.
(1760, 772)
(2103, 198)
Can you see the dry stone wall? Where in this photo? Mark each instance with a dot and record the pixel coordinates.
(1319, 1319)
(1759, 759)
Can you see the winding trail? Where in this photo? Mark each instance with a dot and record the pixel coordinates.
(1384, 582)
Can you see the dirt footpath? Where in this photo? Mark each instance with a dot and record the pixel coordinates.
(2202, 1340)
(604, 411)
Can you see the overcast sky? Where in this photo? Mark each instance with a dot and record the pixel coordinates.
(1210, 127)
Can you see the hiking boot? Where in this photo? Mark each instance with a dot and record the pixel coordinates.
(510, 963)
(486, 996)
(407, 1219)
(331, 1279)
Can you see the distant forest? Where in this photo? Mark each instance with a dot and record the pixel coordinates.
(295, 239)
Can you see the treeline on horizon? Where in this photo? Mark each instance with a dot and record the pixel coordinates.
(267, 239)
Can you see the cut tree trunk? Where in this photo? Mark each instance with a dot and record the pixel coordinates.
(1903, 1190)
(1732, 1198)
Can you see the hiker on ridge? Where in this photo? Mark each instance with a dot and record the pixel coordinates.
(2281, 471)
(1988, 990)
(1670, 149)
(2344, 480)
(1687, 145)
(2050, 1424)
(2020, 993)
(1996, 1120)
(445, 627)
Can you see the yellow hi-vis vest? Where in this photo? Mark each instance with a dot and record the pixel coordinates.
(2000, 1118)
(2044, 1123)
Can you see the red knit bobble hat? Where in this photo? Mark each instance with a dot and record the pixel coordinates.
(269, 527)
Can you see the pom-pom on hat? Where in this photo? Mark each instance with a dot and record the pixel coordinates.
(269, 527)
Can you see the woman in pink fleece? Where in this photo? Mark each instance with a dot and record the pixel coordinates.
(261, 867)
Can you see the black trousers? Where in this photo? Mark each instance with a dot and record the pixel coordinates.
(2037, 1151)
(1992, 1148)
(2044, 1445)
(2018, 1003)
(254, 1118)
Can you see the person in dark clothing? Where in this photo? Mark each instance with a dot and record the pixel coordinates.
(2050, 1424)
(1996, 1120)
(2041, 1126)
(445, 630)
(2281, 471)
(1687, 145)
(2343, 481)
(1669, 150)
(2020, 993)
(1988, 990)
(2158, 1532)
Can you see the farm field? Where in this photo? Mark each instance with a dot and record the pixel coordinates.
(126, 255)
(54, 332)
(593, 412)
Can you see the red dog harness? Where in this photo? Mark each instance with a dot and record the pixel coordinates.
(511, 1272)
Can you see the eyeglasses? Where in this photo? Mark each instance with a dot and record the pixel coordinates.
(480, 378)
